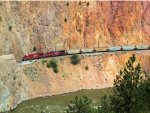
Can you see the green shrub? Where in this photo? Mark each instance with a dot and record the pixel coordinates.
(53, 64)
(67, 4)
(19, 84)
(48, 65)
(88, 4)
(14, 77)
(79, 3)
(10, 28)
(87, 67)
(34, 48)
(65, 19)
(44, 61)
(75, 59)
(0, 18)
(55, 70)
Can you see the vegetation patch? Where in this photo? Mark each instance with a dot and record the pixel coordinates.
(79, 3)
(67, 4)
(65, 19)
(14, 77)
(80, 105)
(61, 59)
(10, 28)
(130, 94)
(88, 4)
(86, 67)
(0, 18)
(79, 30)
(53, 64)
(44, 61)
(34, 48)
(32, 73)
(75, 59)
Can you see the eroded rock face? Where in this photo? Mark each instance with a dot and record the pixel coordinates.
(50, 26)
(13, 89)
(67, 25)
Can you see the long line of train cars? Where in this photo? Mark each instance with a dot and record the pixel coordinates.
(88, 50)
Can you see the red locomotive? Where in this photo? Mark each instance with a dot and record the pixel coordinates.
(43, 55)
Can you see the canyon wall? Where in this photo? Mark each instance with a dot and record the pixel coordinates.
(23, 82)
(27, 27)
(49, 26)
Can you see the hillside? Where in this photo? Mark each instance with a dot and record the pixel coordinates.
(18, 83)
(47, 26)
(67, 25)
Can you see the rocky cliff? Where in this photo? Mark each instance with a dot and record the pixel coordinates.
(45, 26)
(63, 25)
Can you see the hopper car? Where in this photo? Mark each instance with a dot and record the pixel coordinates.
(142, 47)
(128, 47)
(115, 48)
(88, 50)
(73, 51)
(101, 49)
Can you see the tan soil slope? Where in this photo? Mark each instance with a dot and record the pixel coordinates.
(63, 25)
(18, 83)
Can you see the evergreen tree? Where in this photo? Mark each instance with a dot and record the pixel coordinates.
(127, 92)
(146, 93)
(131, 93)
(80, 105)
(105, 105)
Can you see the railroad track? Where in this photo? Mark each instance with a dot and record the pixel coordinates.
(85, 54)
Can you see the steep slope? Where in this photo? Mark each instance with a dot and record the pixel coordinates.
(19, 83)
(67, 25)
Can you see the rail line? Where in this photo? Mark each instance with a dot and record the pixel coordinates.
(84, 54)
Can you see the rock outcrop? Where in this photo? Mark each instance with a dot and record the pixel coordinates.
(67, 25)
(46, 26)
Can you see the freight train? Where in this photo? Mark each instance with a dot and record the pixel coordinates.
(88, 50)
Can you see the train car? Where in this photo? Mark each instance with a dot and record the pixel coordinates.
(128, 47)
(59, 53)
(33, 56)
(88, 50)
(101, 49)
(48, 54)
(114, 48)
(73, 51)
(141, 47)
(54, 53)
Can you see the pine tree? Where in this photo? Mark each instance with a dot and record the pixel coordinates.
(146, 93)
(80, 105)
(105, 105)
(127, 92)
